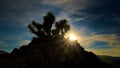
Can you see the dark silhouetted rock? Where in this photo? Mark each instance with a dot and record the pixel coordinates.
(51, 53)
(3, 52)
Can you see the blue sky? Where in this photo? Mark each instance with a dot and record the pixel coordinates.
(96, 22)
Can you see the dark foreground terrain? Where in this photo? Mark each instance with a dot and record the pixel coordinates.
(51, 53)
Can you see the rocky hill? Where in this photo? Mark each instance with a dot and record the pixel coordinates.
(3, 52)
(50, 53)
(112, 61)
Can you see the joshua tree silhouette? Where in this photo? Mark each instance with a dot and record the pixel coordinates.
(34, 26)
(48, 21)
(62, 27)
(43, 30)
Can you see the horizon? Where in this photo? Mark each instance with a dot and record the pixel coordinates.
(94, 23)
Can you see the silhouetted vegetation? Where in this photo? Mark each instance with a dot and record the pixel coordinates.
(48, 21)
(36, 28)
(62, 27)
(50, 49)
(44, 30)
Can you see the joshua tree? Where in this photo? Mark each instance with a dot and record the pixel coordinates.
(66, 28)
(43, 30)
(61, 27)
(35, 28)
(55, 33)
(48, 21)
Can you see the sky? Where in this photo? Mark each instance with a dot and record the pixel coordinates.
(96, 23)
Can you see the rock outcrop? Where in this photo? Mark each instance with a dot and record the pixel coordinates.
(50, 53)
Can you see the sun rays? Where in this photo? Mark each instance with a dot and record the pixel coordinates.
(72, 37)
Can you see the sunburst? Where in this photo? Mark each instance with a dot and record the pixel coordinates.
(72, 37)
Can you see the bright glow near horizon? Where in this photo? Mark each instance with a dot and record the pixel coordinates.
(72, 37)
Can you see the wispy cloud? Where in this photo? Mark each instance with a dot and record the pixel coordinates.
(109, 38)
(2, 43)
(70, 16)
(24, 42)
(80, 3)
(116, 18)
(111, 48)
(110, 52)
(57, 2)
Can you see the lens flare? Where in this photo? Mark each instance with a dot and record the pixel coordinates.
(72, 37)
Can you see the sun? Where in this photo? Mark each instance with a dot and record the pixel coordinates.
(72, 37)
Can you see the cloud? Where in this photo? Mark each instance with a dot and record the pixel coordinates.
(87, 40)
(21, 12)
(2, 43)
(25, 42)
(10, 42)
(73, 5)
(63, 15)
(57, 2)
(70, 16)
(110, 52)
(109, 38)
(71, 2)
(110, 44)
(116, 18)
